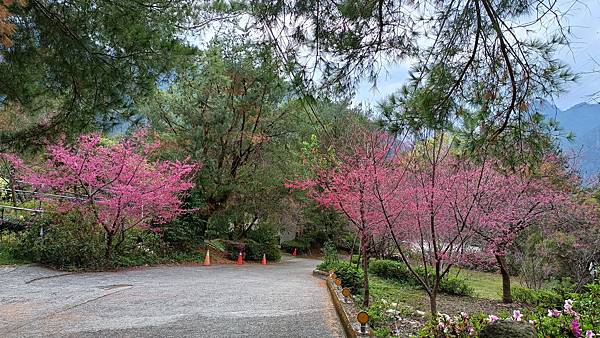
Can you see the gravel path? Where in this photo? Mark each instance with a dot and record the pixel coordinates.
(277, 300)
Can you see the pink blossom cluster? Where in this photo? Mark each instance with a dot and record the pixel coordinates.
(447, 208)
(117, 184)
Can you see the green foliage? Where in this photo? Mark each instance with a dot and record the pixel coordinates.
(182, 234)
(330, 255)
(233, 248)
(391, 270)
(229, 112)
(399, 272)
(539, 297)
(81, 64)
(138, 247)
(69, 242)
(585, 310)
(7, 254)
(588, 304)
(557, 320)
(351, 276)
(300, 245)
(462, 325)
(455, 286)
(382, 332)
(263, 241)
(323, 225)
(381, 311)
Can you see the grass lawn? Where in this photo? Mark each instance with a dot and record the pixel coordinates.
(487, 285)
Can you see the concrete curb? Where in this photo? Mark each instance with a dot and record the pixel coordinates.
(337, 304)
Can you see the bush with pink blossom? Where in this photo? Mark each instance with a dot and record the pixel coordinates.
(578, 317)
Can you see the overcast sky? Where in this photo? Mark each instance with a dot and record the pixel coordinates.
(584, 21)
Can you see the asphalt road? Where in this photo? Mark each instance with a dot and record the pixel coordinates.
(278, 300)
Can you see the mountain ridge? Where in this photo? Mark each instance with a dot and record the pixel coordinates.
(583, 121)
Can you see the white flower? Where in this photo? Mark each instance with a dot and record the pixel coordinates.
(392, 312)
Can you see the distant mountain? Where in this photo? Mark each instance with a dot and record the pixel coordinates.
(583, 120)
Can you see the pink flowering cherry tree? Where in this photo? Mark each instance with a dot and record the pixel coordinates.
(118, 184)
(349, 187)
(428, 209)
(512, 201)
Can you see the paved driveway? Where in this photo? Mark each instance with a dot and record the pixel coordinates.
(278, 300)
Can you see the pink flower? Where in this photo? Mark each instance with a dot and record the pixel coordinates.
(568, 307)
(517, 315)
(554, 313)
(493, 318)
(575, 328)
(471, 330)
(589, 334)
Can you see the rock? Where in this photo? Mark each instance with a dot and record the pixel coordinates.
(508, 329)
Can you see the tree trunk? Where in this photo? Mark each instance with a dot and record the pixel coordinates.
(365, 264)
(13, 193)
(352, 250)
(433, 304)
(109, 246)
(506, 295)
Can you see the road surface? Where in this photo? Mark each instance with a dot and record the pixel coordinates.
(278, 300)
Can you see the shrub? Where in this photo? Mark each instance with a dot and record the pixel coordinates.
(263, 240)
(255, 251)
(544, 297)
(330, 254)
(391, 270)
(346, 242)
(302, 247)
(233, 248)
(455, 286)
(575, 317)
(182, 234)
(260, 241)
(399, 272)
(69, 242)
(139, 247)
(461, 325)
(351, 276)
(581, 314)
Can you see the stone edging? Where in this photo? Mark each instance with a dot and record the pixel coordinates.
(337, 304)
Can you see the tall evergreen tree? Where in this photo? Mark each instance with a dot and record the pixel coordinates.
(77, 65)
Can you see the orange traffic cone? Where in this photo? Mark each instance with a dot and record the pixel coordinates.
(294, 252)
(240, 260)
(207, 258)
(264, 260)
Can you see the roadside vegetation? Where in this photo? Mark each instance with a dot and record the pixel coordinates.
(131, 134)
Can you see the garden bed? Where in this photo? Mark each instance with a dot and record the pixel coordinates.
(400, 309)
